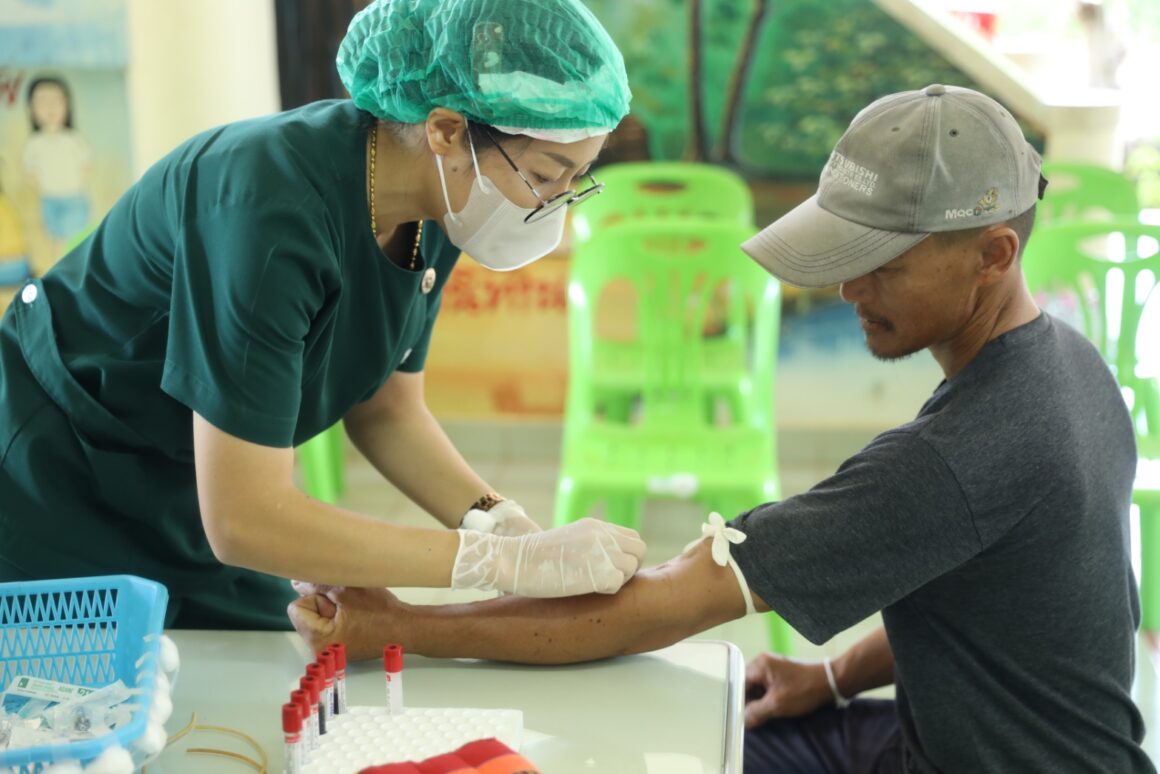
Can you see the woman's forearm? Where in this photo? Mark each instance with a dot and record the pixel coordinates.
(294, 536)
(255, 517)
(405, 443)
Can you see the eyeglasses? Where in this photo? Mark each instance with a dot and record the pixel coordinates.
(557, 202)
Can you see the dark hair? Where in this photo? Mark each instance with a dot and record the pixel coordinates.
(1021, 224)
(50, 80)
(477, 131)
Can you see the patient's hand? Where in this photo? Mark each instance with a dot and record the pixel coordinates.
(364, 620)
(780, 687)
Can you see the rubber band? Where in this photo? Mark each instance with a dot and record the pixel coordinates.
(189, 727)
(227, 754)
(261, 765)
(241, 735)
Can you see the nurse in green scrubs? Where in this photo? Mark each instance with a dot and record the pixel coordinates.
(270, 277)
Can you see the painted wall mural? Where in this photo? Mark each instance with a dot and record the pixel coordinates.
(764, 86)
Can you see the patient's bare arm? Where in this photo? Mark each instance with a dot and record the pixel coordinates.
(659, 606)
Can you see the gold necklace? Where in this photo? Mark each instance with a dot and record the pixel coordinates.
(374, 220)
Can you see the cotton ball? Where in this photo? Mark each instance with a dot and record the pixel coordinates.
(115, 760)
(161, 684)
(168, 656)
(69, 767)
(161, 708)
(152, 742)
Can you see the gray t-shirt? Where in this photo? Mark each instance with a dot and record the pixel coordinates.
(992, 533)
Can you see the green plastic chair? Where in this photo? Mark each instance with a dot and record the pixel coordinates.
(665, 190)
(321, 462)
(670, 449)
(1078, 191)
(1101, 277)
(661, 193)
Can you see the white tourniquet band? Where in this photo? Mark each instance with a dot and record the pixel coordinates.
(722, 536)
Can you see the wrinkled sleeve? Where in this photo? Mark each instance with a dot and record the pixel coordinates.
(892, 518)
(247, 283)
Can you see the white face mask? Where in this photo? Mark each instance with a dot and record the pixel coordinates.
(491, 229)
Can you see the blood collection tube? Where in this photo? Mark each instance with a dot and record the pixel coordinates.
(301, 697)
(292, 732)
(318, 671)
(315, 686)
(393, 666)
(339, 651)
(326, 659)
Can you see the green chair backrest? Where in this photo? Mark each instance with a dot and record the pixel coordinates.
(1078, 191)
(691, 285)
(1101, 277)
(666, 190)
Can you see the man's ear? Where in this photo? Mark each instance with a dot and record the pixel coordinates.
(998, 249)
(445, 131)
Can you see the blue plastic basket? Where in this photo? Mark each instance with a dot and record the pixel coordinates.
(84, 631)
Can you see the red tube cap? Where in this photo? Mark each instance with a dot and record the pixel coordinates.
(393, 658)
(313, 685)
(339, 651)
(302, 699)
(291, 718)
(326, 659)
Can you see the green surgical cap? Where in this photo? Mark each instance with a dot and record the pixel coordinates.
(541, 67)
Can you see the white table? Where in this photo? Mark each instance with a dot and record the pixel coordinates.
(674, 711)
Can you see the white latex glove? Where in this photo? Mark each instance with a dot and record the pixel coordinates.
(583, 557)
(506, 518)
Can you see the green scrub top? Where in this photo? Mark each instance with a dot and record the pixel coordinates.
(239, 278)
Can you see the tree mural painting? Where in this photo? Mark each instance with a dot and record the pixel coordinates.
(763, 86)
(698, 142)
(737, 80)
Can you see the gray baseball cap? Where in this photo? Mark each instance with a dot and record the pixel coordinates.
(910, 164)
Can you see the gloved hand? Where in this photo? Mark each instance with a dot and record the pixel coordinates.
(506, 518)
(583, 557)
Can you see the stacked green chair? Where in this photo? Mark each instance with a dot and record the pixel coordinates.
(666, 190)
(671, 448)
(321, 462)
(679, 273)
(1077, 191)
(1102, 276)
(663, 192)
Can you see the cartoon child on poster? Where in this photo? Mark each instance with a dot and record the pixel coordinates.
(56, 161)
